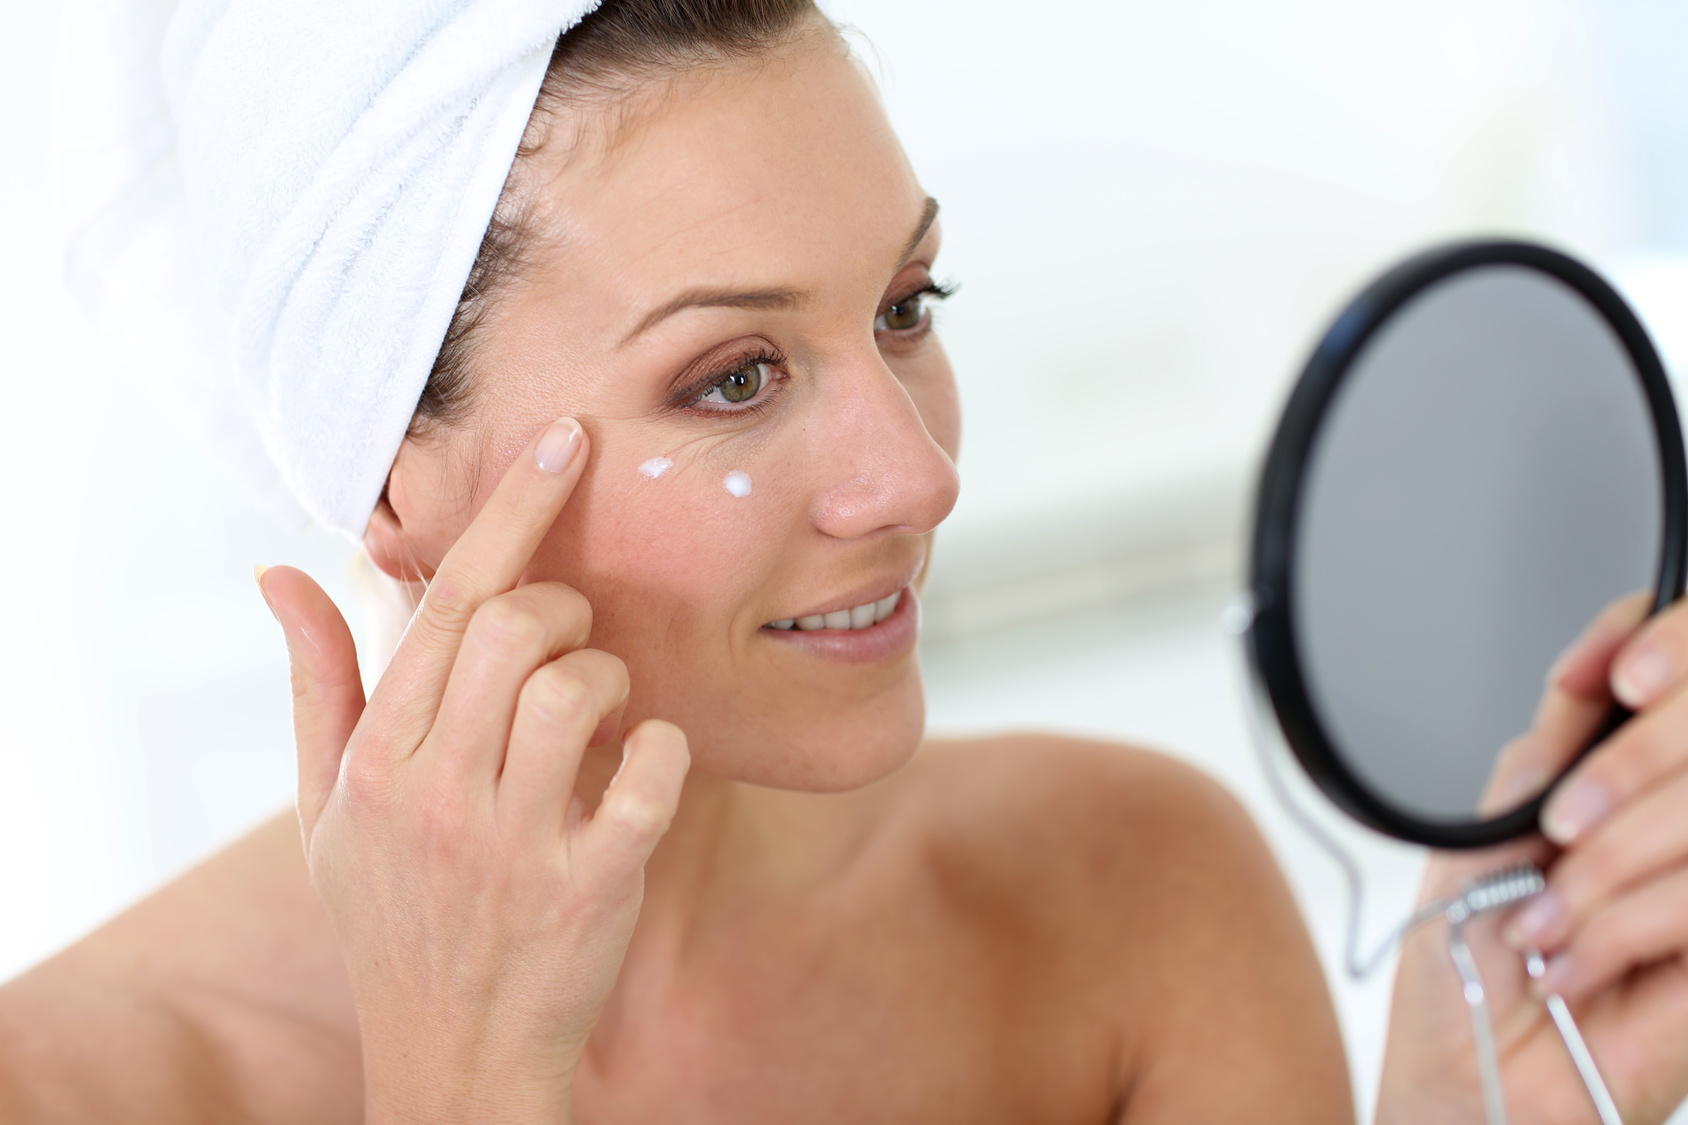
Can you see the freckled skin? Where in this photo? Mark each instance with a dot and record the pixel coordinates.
(846, 922)
(852, 452)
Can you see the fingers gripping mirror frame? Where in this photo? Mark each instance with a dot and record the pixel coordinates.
(1261, 618)
(1495, 891)
(1271, 639)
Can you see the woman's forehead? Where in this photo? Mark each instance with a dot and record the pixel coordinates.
(763, 178)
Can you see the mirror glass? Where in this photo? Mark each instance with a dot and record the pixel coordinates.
(1485, 479)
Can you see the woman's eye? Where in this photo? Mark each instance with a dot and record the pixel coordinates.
(902, 316)
(741, 386)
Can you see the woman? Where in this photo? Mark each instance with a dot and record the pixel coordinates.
(639, 823)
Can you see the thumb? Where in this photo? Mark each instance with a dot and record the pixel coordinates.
(327, 689)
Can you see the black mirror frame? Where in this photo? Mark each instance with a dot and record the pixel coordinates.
(1271, 640)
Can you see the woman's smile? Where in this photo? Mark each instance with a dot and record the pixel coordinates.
(864, 626)
(640, 822)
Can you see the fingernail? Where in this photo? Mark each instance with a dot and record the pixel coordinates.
(1574, 810)
(556, 448)
(1535, 924)
(258, 573)
(1560, 973)
(1642, 675)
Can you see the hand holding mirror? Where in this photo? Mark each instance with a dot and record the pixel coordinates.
(1481, 454)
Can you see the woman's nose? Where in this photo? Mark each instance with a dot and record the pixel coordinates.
(885, 471)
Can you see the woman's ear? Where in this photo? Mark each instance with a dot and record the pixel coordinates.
(412, 527)
(390, 548)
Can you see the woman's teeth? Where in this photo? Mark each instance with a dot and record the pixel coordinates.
(860, 617)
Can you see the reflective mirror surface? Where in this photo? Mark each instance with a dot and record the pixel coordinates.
(1481, 455)
(1485, 481)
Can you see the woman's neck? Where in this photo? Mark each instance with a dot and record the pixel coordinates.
(731, 842)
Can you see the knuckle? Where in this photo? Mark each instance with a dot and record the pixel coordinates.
(1625, 760)
(441, 823)
(642, 816)
(1631, 763)
(604, 669)
(450, 601)
(557, 695)
(573, 611)
(366, 782)
(508, 624)
(1600, 866)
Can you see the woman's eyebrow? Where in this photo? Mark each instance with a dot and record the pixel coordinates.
(928, 215)
(763, 298)
(718, 298)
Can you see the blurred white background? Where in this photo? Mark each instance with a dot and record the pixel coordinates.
(1152, 209)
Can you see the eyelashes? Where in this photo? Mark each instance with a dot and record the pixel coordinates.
(762, 365)
(937, 290)
(753, 377)
(908, 318)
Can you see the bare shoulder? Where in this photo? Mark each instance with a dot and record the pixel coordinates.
(219, 997)
(1138, 888)
(1105, 811)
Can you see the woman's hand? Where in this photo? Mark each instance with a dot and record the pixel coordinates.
(483, 914)
(1613, 923)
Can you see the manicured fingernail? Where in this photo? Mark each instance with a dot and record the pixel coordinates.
(1535, 924)
(1575, 809)
(556, 449)
(1560, 973)
(1642, 675)
(258, 573)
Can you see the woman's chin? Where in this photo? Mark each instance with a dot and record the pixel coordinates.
(830, 756)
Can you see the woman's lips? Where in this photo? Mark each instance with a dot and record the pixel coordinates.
(887, 637)
(857, 617)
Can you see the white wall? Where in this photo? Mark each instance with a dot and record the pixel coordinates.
(1153, 206)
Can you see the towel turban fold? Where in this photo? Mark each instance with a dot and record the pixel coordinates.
(273, 206)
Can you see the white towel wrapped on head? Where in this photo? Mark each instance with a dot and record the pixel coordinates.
(273, 206)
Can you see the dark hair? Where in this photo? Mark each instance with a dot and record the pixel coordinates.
(619, 45)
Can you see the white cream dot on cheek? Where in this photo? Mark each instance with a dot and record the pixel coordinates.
(655, 467)
(737, 483)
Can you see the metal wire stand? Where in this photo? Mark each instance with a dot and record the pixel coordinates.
(1494, 891)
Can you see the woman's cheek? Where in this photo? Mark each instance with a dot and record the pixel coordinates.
(665, 555)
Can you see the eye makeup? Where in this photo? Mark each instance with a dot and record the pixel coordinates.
(755, 367)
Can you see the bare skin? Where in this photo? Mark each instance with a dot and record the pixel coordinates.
(606, 843)
(961, 963)
(835, 922)
(1614, 923)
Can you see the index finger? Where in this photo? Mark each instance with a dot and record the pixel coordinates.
(488, 558)
(1573, 706)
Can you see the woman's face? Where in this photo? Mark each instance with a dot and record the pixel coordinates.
(730, 295)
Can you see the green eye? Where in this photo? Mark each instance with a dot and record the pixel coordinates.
(742, 385)
(903, 315)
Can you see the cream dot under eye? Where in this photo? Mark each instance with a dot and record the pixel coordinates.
(655, 467)
(737, 483)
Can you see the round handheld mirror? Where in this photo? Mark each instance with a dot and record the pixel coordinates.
(1480, 455)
